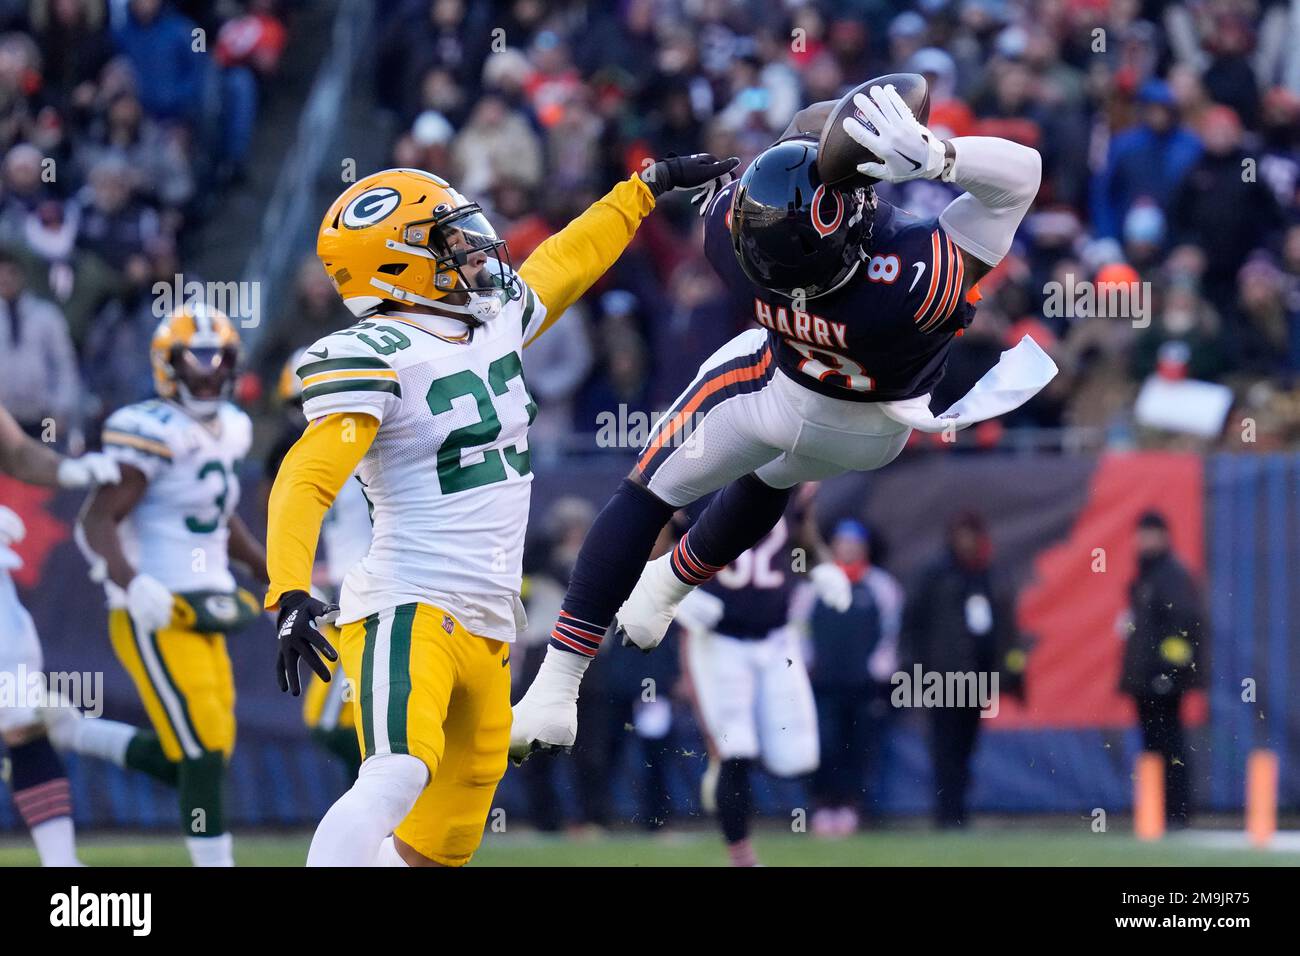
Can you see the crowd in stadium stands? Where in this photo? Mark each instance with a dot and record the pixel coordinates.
(1170, 134)
(111, 116)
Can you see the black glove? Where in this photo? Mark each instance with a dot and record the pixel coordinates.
(300, 616)
(685, 172)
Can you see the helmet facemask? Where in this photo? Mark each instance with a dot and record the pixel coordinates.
(452, 239)
(204, 376)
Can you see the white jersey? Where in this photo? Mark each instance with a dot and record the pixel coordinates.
(448, 475)
(179, 530)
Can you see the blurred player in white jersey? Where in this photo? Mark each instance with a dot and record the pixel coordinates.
(162, 542)
(36, 778)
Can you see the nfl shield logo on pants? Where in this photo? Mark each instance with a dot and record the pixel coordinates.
(448, 624)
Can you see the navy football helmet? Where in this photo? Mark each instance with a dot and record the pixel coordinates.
(791, 233)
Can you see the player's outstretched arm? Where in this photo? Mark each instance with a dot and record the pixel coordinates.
(306, 485)
(244, 548)
(566, 265)
(28, 460)
(1001, 178)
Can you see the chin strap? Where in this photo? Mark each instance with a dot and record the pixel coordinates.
(481, 308)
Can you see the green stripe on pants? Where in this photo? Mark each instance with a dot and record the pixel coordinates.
(367, 684)
(399, 677)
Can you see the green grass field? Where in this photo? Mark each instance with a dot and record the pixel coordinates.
(981, 847)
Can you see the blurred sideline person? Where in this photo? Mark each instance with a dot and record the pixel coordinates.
(162, 542)
(39, 381)
(854, 652)
(37, 779)
(958, 621)
(345, 538)
(746, 669)
(1164, 654)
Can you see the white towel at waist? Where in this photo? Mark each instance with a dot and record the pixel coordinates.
(1020, 374)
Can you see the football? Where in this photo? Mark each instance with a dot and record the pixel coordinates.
(838, 154)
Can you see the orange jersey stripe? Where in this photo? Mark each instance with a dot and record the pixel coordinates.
(935, 262)
(949, 291)
(955, 275)
(675, 424)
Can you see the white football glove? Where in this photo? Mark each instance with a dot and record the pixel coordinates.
(700, 612)
(907, 149)
(833, 586)
(94, 468)
(149, 602)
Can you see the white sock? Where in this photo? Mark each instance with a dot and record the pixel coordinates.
(211, 851)
(93, 737)
(353, 829)
(388, 855)
(56, 842)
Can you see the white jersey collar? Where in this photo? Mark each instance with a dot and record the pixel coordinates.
(440, 325)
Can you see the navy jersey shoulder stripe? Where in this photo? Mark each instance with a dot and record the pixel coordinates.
(936, 277)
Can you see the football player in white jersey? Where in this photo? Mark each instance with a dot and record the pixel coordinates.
(37, 780)
(162, 542)
(425, 400)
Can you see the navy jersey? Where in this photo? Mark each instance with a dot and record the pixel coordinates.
(883, 336)
(755, 589)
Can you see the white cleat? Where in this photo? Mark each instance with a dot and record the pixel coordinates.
(542, 726)
(547, 717)
(644, 617)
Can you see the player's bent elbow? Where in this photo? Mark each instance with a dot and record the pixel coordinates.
(1034, 167)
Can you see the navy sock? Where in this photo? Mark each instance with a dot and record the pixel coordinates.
(608, 566)
(38, 782)
(735, 801)
(738, 517)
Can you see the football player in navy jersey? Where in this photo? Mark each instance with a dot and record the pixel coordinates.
(745, 665)
(857, 304)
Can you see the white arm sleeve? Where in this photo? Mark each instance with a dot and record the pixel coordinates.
(1001, 179)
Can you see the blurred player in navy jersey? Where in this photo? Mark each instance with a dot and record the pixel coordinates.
(747, 672)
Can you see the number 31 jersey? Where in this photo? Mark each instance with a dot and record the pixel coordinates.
(178, 532)
(448, 474)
